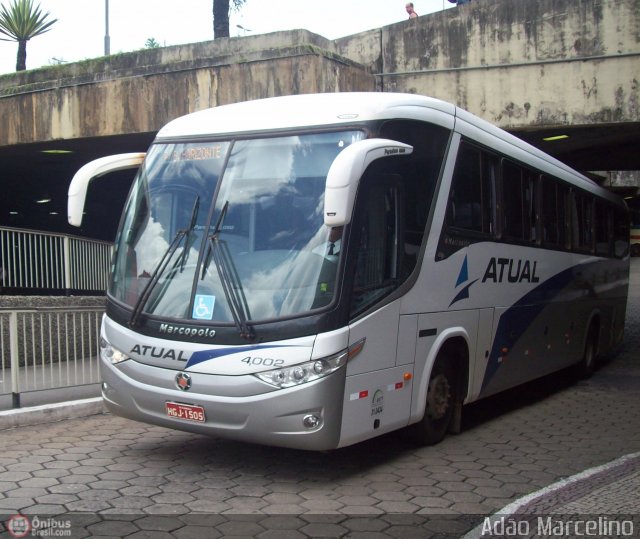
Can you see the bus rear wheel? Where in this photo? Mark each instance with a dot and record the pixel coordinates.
(440, 403)
(587, 365)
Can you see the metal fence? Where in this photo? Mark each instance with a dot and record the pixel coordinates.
(40, 260)
(48, 348)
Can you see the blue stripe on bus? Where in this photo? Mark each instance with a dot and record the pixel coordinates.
(206, 355)
(515, 320)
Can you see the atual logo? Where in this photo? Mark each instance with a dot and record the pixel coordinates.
(183, 381)
(463, 277)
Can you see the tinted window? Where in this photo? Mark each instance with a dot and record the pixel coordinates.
(472, 201)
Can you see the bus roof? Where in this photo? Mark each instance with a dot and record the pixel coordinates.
(316, 110)
(295, 111)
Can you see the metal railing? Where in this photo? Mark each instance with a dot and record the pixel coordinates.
(41, 260)
(48, 348)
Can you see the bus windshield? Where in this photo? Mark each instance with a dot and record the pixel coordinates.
(230, 231)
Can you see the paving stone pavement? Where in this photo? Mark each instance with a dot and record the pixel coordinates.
(104, 476)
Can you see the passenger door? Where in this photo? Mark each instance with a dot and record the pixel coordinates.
(376, 397)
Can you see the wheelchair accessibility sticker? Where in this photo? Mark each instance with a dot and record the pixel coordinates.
(203, 307)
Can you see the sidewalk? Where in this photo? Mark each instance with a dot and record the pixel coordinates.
(46, 413)
(605, 498)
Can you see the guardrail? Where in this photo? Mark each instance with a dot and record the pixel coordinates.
(48, 348)
(39, 260)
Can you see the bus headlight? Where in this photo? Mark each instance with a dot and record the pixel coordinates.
(304, 372)
(111, 354)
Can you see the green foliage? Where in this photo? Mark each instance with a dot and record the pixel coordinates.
(20, 22)
(151, 43)
(23, 21)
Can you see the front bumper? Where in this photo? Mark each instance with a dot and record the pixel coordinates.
(271, 417)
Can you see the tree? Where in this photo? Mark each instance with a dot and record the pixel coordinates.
(21, 22)
(221, 16)
(151, 43)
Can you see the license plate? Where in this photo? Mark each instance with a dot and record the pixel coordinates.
(185, 411)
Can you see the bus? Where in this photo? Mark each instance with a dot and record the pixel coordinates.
(313, 271)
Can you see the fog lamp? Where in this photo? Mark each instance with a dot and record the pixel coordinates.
(311, 421)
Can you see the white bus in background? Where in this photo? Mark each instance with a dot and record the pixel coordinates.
(316, 270)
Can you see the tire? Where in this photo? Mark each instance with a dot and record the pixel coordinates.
(587, 365)
(441, 395)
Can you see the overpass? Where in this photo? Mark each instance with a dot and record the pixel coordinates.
(540, 69)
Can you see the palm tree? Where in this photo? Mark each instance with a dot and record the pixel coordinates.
(151, 43)
(221, 16)
(20, 22)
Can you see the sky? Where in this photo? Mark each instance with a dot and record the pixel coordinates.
(80, 30)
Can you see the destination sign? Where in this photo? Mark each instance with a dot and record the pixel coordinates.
(195, 153)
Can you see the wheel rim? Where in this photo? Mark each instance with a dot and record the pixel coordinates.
(438, 397)
(589, 355)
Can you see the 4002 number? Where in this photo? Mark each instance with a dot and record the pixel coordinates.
(262, 361)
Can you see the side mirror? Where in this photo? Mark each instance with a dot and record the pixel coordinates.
(345, 173)
(94, 169)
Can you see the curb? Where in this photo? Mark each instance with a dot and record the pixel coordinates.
(47, 413)
(521, 506)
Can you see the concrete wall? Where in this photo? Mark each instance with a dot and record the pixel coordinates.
(516, 62)
(140, 92)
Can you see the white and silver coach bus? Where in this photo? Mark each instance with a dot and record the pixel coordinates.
(316, 270)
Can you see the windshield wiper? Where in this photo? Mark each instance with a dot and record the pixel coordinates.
(229, 278)
(184, 255)
(214, 235)
(164, 261)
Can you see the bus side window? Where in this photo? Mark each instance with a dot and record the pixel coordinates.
(514, 207)
(553, 213)
(472, 201)
(419, 178)
(603, 229)
(490, 171)
(587, 204)
(533, 194)
(563, 216)
(551, 224)
(582, 222)
(520, 188)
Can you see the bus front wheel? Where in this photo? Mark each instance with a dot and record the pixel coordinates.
(440, 403)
